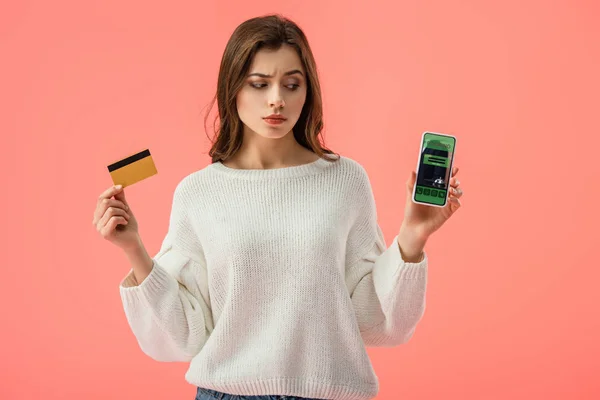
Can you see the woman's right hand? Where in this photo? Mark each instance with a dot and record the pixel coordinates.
(114, 219)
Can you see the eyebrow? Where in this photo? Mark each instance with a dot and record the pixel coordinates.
(295, 71)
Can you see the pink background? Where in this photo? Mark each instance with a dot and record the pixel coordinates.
(513, 298)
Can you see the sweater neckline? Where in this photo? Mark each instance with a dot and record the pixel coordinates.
(310, 168)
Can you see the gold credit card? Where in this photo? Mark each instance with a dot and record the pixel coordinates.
(132, 169)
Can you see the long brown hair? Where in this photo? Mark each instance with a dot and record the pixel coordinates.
(270, 32)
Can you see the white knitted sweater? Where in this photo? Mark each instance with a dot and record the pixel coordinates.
(272, 282)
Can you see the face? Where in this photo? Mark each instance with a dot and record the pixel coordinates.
(275, 84)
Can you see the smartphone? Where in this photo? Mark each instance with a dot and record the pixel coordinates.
(434, 169)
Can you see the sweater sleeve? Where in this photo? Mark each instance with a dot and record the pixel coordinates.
(388, 294)
(169, 312)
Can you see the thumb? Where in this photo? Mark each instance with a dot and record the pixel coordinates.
(410, 183)
(121, 196)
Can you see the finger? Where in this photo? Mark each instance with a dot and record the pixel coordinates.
(112, 225)
(110, 192)
(454, 201)
(454, 171)
(120, 195)
(454, 182)
(110, 213)
(114, 203)
(411, 181)
(103, 206)
(456, 192)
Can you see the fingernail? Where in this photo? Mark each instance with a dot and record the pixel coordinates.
(118, 186)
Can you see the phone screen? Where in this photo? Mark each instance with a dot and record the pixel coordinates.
(435, 168)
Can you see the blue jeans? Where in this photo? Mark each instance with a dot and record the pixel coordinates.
(209, 394)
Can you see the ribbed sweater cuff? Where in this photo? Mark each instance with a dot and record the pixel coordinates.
(391, 268)
(157, 283)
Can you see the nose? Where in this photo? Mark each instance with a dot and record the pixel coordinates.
(275, 99)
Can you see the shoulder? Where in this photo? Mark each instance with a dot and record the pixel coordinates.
(351, 168)
(355, 174)
(192, 185)
(355, 185)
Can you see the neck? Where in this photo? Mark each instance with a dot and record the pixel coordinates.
(258, 152)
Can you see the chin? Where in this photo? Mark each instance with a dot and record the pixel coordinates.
(274, 132)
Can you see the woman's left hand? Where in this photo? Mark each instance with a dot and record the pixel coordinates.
(424, 220)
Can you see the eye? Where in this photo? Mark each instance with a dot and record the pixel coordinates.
(257, 85)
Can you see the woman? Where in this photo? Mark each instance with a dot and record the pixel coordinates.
(274, 274)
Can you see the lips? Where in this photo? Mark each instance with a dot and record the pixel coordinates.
(275, 117)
